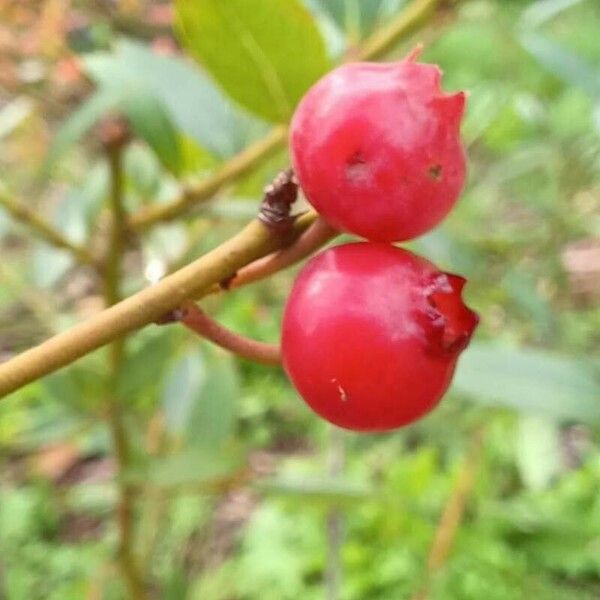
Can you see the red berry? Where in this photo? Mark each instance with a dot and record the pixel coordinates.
(372, 333)
(376, 148)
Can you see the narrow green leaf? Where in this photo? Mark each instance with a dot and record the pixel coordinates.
(562, 63)
(151, 122)
(359, 17)
(182, 389)
(192, 467)
(543, 10)
(538, 451)
(143, 169)
(48, 264)
(265, 54)
(323, 490)
(80, 122)
(197, 107)
(212, 418)
(596, 118)
(531, 381)
(144, 365)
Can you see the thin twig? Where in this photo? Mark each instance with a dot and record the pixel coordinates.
(116, 356)
(452, 514)
(197, 320)
(44, 230)
(319, 233)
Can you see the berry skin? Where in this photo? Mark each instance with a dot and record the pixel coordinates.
(376, 148)
(371, 335)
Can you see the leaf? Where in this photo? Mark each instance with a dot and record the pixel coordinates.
(265, 54)
(562, 63)
(530, 380)
(538, 451)
(48, 264)
(212, 418)
(70, 216)
(151, 122)
(182, 389)
(322, 490)
(596, 118)
(13, 114)
(192, 467)
(331, 32)
(196, 106)
(143, 170)
(359, 17)
(80, 122)
(543, 10)
(80, 386)
(144, 366)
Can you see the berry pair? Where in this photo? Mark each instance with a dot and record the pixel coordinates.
(371, 332)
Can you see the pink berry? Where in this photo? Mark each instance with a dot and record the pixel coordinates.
(377, 150)
(372, 333)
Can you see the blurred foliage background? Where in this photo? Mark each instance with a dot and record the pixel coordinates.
(238, 491)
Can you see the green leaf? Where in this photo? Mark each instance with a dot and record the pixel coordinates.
(265, 54)
(144, 365)
(359, 17)
(543, 10)
(151, 122)
(212, 418)
(530, 380)
(538, 451)
(143, 170)
(562, 63)
(182, 389)
(321, 490)
(596, 117)
(48, 264)
(80, 122)
(192, 467)
(195, 104)
(80, 386)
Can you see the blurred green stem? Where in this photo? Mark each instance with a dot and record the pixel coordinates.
(147, 306)
(43, 230)
(319, 233)
(335, 519)
(116, 356)
(453, 513)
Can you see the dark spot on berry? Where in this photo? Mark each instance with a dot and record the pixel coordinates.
(356, 166)
(435, 172)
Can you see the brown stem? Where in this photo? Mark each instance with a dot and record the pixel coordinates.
(145, 307)
(44, 230)
(116, 356)
(197, 278)
(319, 233)
(197, 320)
(453, 513)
